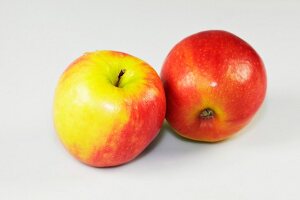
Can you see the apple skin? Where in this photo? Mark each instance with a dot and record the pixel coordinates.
(213, 71)
(101, 124)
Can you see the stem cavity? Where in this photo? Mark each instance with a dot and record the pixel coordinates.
(121, 73)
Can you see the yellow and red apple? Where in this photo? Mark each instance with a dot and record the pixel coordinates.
(108, 107)
(214, 82)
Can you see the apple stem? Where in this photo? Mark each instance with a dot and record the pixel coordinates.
(122, 72)
(207, 113)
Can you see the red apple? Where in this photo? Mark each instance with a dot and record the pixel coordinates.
(214, 83)
(108, 107)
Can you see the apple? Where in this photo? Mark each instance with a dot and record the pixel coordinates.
(108, 107)
(214, 83)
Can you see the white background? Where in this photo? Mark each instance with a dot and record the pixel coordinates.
(38, 39)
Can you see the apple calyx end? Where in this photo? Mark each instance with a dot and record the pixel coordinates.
(121, 73)
(207, 113)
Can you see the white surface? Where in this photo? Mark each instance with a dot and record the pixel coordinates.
(38, 39)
